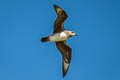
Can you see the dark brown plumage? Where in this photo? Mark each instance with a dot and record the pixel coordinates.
(59, 22)
(62, 46)
(66, 53)
(59, 36)
(45, 39)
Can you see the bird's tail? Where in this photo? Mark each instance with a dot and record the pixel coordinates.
(45, 39)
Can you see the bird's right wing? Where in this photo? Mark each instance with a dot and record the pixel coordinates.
(61, 17)
(66, 53)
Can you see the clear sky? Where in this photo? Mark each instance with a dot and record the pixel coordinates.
(95, 53)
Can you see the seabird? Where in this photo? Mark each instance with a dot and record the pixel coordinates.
(59, 36)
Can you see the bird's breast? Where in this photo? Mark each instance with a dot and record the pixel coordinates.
(58, 37)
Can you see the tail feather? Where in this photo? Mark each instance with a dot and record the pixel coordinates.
(44, 39)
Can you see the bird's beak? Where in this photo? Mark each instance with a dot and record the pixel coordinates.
(76, 34)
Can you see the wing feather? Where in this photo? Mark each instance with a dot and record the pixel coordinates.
(61, 17)
(66, 53)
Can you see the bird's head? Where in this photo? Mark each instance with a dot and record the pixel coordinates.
(71, 33)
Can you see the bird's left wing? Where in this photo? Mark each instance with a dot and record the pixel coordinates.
(61, 17)
(66, 53)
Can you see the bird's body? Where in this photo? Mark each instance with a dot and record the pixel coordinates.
(59, 36)
(62, 36)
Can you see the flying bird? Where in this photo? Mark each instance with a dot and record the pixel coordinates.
(59, 36)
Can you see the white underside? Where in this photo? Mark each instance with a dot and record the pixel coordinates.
(58, 37)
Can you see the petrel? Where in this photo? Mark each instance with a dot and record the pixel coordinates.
(59, 36)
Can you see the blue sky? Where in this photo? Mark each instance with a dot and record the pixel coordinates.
(95, 53)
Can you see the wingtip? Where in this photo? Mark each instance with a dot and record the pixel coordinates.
(55, 6)
(63, 75)
(65, 68)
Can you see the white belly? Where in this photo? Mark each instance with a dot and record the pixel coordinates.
(58, 37)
